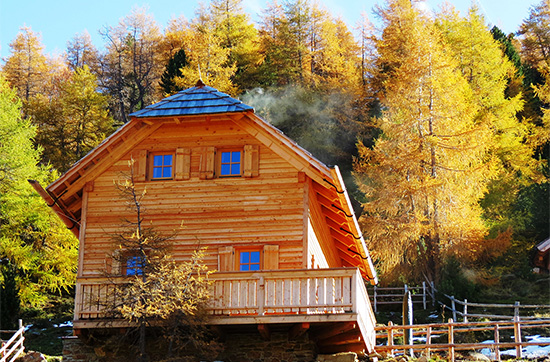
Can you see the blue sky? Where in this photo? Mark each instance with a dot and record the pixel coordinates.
(59, 20)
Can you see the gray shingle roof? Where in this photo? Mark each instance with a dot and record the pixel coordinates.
(200, 99)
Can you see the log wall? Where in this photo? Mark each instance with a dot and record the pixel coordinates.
(267, 209)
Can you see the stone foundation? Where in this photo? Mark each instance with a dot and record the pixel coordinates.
(251, 347)
(74, 350)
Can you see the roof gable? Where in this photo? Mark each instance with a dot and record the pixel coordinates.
(200, 99)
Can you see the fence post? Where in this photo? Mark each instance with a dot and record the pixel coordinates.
(453, 305)
(517, 336)
(375, 309)
(451, 341)
(465, 311)
(390, 336)
(497, 341)
(516, 309)
(411, 321)
(432, 284)
(424, 295)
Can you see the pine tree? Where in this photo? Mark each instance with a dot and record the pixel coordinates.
(173, 70)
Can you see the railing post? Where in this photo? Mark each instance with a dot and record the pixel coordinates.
(261, 296)
(428, 341)
(517, 336)
(497, 341)
(453, 305)
(390, 337)
(424, 295)
(451, 341)
(465, 311)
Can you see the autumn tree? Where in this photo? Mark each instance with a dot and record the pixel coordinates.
(207, 58)
(130, 69)
(237, 34)
(173, 295)
(81, 51)
(41, 251)
(72, 122)
(427, 170)
(27, 68)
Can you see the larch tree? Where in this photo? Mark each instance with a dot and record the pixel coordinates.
(73, 121)
(428, 169)
(207, 58)
(131, 68)
(81, 51)
(27, 68)
(238, 34)
(41, 250)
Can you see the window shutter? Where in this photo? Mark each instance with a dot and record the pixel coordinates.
(141, 164)
(271, 257)
(183, 164)
(116, 263)
(251, 164)
(225, 259)
(207, 163)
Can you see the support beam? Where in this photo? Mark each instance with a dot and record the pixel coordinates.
(298, 330)
(67, 218)
(358, 348)
(349, 337)
(331, 331)
(264, 331)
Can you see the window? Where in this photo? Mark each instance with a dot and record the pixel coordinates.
(162, 166)
(249, 260)
(230, 163)
(134, 265)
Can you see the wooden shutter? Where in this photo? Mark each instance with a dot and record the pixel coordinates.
(183, 164)
(207, 164)
(226, 261)
(141, 163)
(271, 257)
(251, 164)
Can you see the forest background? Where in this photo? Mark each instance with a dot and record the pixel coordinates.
(438, 123)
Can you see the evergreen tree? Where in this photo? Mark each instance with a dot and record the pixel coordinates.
(173, 70)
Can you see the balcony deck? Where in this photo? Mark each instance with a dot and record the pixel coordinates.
(331, 303)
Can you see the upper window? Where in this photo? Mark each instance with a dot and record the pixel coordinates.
(230, 163)
(162, 166)
(249, 260)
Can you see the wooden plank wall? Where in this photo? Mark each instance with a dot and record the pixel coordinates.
(266, 209)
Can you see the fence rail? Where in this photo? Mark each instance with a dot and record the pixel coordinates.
(13, 347)
(394, 295)
(467, 307)
(427, 332)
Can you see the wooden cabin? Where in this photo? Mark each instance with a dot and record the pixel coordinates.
(278, 224)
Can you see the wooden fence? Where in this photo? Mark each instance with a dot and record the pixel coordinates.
(428, 332)
(487, 310)
(13, 347)
(394, 295)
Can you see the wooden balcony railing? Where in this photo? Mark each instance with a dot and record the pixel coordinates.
(279, 296)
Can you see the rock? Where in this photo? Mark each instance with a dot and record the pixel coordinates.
(422, 359)
(338, 357)
(32, 356)
(476, 356)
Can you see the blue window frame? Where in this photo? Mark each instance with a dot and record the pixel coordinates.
(134, 265)
(162, 166)
(230, 163)
(249, 260)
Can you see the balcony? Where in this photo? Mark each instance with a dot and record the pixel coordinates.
(331, 303)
